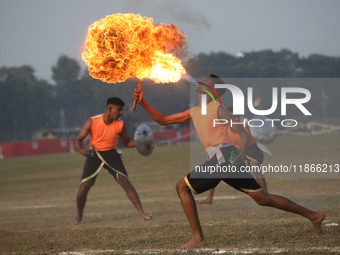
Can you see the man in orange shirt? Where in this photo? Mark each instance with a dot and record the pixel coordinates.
(220, 153)
(105, 130)
(254, 157)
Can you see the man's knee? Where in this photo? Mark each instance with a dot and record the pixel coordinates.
(181, 186)
(261, 198)
(85, 186)
(122, 180)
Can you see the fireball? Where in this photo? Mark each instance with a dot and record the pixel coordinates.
(123, 46)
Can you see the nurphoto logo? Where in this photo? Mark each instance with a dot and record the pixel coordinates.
(289, 96)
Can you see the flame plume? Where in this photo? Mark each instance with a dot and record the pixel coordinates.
(123, 46)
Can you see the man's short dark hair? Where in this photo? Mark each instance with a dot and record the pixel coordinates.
(115, 101)
(218, 80)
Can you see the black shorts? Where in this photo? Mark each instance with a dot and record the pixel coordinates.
(241, 181)
(254, 153)
(110, 160)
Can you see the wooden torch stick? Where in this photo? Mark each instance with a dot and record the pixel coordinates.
(139, 87)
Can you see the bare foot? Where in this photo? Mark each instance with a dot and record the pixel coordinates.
(78, 220)
(317, 220)
(204, 202)
(193, 244)
(146, 217)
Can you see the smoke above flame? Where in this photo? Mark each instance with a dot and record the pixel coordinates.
(123, 46)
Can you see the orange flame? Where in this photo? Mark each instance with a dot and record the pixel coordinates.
(123, 46)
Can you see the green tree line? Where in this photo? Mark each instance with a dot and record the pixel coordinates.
(29, 103)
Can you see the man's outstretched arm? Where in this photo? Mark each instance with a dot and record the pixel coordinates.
(160, 118)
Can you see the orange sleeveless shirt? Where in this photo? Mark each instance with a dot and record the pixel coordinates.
(235, 138)
(204, 125)
(105, 137)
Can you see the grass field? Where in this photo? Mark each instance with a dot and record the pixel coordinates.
(37, 206)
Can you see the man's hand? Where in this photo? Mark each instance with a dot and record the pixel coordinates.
(138, 96)
(84, 152)
(239, 159)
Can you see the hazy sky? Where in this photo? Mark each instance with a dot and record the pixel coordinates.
(37, 32)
